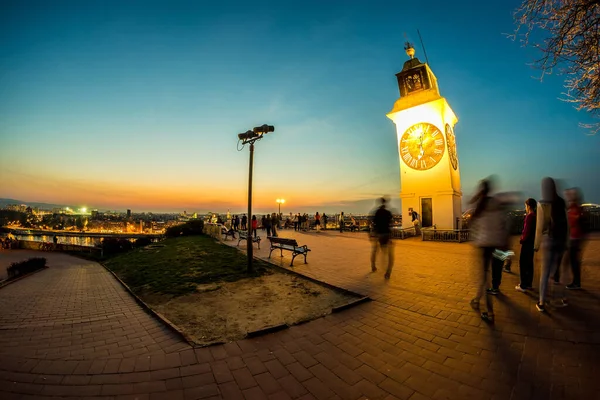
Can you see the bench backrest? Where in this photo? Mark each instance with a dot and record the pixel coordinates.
(290, 242)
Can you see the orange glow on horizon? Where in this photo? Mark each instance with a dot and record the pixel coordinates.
(171, 196)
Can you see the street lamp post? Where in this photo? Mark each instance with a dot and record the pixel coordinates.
(280, 202)
(249, 137)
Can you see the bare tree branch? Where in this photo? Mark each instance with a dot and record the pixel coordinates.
(567, 33)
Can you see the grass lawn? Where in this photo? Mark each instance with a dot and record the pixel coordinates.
(180, 265)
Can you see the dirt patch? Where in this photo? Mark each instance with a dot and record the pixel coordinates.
(228, 310)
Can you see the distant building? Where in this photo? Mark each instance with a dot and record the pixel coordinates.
(17, 207)
(95, 214)
(128, 214)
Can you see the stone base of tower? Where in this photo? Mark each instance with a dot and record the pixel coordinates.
(440, 209)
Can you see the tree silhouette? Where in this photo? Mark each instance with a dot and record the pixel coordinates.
(569, 40)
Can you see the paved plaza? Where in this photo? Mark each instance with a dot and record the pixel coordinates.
(72, 331)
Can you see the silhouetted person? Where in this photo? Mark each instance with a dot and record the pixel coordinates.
(317, 221)
(552, 234)
(527, 240)
(341, 222)
(268, 224)
(274, 223)
(254, 225)
(325, 220)
(414, 218)
(578, 231)
(382, 221)
(244, 222)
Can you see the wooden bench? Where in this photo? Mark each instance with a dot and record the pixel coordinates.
(244, 236)
(350, 226)
(289, 245)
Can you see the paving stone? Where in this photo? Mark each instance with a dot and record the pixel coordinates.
(77, 333)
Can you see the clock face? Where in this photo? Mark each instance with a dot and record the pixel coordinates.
(451, 146)
(422, 146)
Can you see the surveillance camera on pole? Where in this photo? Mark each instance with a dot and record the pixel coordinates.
(251, 137)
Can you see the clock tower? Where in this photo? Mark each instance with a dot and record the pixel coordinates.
(429, 171)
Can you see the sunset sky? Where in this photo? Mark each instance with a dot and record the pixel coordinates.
(138, 104)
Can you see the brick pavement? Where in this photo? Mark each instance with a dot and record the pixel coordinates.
(72, 331)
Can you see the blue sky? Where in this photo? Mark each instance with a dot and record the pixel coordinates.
(138, 104)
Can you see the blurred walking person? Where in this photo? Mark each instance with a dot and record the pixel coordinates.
(382, 221)
(552, 235)
(490, 228)
(577, 235)
(527, 240)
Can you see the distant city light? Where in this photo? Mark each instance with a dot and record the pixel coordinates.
(84, 210)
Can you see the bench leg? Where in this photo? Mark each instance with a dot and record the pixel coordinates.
(281, 252)
(258, 242)
(270, 252)
(293, 256)
(305, 259)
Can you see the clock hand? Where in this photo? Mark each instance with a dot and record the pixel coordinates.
(421, 152)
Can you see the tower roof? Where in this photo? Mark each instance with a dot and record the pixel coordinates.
(412, 63)
(416, 82)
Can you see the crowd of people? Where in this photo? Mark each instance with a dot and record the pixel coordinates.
(273, 222)
(552, 225)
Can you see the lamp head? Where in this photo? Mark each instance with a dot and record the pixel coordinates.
(264, 129)
(246, 135)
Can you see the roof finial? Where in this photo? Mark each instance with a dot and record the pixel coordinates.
(410, 50)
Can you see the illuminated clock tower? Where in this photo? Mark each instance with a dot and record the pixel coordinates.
(429, 172)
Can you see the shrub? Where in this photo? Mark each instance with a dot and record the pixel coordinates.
(24, 267)
(142, 242)
(192, 227)
(115, 245)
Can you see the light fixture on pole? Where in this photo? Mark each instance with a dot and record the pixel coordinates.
(280, 202)
(249, 137)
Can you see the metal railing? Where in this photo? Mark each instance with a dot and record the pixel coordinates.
(445, 235)
(403, 233)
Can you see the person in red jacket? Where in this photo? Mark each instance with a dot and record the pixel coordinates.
(254, 225)
(527, 241)
(575, 218)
